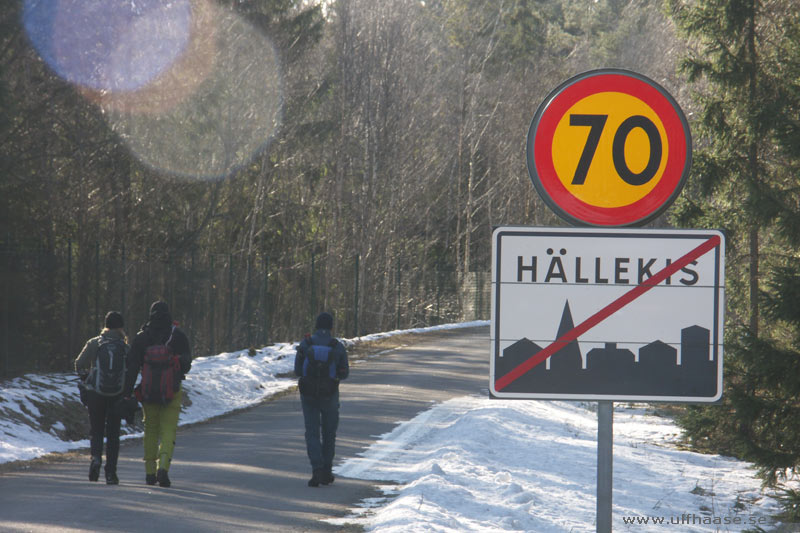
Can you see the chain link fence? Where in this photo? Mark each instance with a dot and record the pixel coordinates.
(53, 298)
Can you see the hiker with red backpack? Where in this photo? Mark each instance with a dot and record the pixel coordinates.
(320, 363)
(160, 351)
(101, 367)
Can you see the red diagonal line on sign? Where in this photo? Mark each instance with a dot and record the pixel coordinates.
(605, 312)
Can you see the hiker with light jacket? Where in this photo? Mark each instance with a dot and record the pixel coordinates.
(101, 388)
(161, 353)
(320, 363)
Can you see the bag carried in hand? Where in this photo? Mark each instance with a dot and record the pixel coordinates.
(107, 376)
(125, 409)
(161, 374)
(319, 371)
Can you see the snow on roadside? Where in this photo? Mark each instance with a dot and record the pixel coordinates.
(21, 433)
(475, 464)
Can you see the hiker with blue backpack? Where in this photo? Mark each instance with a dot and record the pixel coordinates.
(101, 367)
(320, 363)
(161, 352)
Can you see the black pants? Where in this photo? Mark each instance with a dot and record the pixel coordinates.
(103, 422)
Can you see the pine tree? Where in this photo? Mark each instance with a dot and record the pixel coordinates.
(743, 181)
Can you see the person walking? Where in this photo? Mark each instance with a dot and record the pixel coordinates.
(101, 368)
(320, 363)
(161, 352)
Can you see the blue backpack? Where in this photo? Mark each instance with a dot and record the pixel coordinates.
(319, 371)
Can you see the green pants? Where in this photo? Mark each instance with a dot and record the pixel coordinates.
(160, 427)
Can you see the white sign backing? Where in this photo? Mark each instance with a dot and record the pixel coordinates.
(607, 314)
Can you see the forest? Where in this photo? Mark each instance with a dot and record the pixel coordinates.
(255, 161)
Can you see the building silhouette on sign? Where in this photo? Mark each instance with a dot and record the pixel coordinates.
(658, 369)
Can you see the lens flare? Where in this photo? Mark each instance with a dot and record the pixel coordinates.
(180, 81)
(201, 103)
(108, 44)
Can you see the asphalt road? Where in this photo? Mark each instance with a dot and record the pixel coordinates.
(248, 471)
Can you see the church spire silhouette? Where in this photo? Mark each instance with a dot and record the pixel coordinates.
(568, 357)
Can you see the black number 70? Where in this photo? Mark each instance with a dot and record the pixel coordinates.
(596, 124)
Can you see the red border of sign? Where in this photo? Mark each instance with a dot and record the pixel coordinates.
(710, 241)
(706, 246)
(542, 130)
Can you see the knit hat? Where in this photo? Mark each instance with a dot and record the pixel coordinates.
(160, 318)
(159, 307)
(114, 320)
(324, 321)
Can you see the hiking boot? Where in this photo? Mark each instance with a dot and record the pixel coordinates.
(163, 478)
(327, 477)
(150, 479)
(316, 478)
(111, 478)
(94, 469)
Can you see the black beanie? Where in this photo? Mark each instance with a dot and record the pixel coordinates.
(159, 307)
(160, 318)
(114, 320)
(324, 321)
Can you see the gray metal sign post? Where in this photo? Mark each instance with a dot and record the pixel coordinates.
(605, 454)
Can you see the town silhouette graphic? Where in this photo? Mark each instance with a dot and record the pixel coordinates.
(658, 370)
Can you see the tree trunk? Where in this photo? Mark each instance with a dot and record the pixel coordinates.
(753, 170)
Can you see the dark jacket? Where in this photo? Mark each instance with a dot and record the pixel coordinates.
(156, 332)
(322, 337)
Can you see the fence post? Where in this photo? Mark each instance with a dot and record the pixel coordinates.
(230, 300)
(438, 296)
(211, 301)
(478, 294)
(6, 309)
(193, 297)
(246, 300)
(397, 318)
(98, 324)
(173, 268)
(148, 294)
(313, 287)
(266, 300)
(355, 302)
(124, 283)
(69, 301)
(6, 331)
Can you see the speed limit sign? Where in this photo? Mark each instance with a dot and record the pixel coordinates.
(609, 148)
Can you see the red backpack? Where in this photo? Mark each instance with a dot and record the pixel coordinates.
(161, 373)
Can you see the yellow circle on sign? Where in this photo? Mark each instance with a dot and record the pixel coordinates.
(602, 185)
